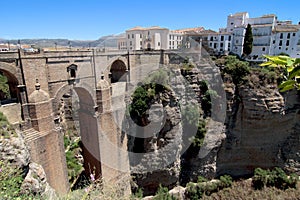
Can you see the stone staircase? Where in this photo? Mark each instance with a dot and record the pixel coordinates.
(31, 135)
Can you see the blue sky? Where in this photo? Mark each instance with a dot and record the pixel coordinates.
(91, 19)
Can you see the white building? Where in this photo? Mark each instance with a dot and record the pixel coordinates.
(139, 38)
(285, 39)
(175, 40)
(155, 38)
(270, 36)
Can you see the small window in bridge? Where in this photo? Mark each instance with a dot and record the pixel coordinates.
(72, 71)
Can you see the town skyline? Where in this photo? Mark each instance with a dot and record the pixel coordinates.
(92, 19)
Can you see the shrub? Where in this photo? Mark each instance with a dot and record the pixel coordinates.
(201, 179)
(11, 179)
(275, 178)
(163, 194)
(198, 139)
(197, 190)
(137, 195)
(237, 69)
(226, 181)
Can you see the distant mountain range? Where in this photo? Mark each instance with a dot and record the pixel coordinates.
(105, 41)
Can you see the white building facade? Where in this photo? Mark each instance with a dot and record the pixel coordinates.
(270, 36)
(139, 38)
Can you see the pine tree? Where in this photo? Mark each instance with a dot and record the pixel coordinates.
(248, 41)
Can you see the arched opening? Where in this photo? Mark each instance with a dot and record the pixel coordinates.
(148, 46)
(118, 70)
(9, 92)
(72, 71)
(77, 122)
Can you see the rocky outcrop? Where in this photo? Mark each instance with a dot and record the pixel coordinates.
(202, 161)
(158, 161)
(261, 132)
(35, 183)
(14, 150)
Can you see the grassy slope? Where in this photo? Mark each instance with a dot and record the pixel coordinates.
(243, 190)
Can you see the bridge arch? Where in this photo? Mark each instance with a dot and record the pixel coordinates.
(10, 73)
(88, 125)
(118, 70)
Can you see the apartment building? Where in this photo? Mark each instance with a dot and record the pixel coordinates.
(270, 36)
(154, 38)
(139, 38)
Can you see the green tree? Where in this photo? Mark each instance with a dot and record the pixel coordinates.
(236, 69)
(4, 86)
(290, 68)
(248, 41)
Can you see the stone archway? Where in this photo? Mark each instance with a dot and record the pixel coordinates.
(10, 72)
(118, 71)
(87, 129)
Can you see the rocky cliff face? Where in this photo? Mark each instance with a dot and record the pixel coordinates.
(262, 130)
(155, 159)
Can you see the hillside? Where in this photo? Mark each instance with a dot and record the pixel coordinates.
(105, 41)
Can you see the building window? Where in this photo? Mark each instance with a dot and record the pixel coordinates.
(286, 49)
(170, 43)
(231, 23)
(170, 37)
(281, 35)
(141, 43)
(72, 71)
(141, 36)
(287, 43)
(221, 44)
(222, 38)
(280, 43)
(288, 35)
(173, 43)
(237, 41)
(158, 43)
(130, 43)
(279, 48)
(263, 49)
(128, 36)
(229, 38)
(132, 35)
(294, 34)
(215, 45)
(274, 41)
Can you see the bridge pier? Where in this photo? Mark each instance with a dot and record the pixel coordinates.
(45, 143)
(114, 165)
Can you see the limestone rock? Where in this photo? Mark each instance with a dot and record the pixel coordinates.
(178, 192)
(14, 150)
(261, 132)
(35, 182)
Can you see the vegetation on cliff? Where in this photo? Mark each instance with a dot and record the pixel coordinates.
(289, 69)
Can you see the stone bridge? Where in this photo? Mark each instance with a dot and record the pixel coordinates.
(38, 82)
